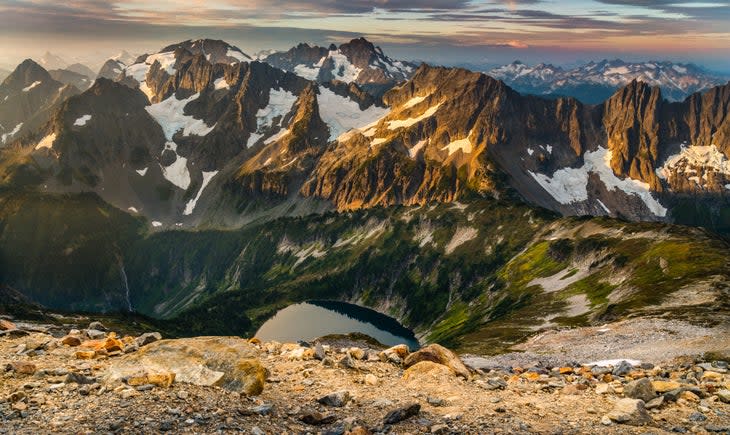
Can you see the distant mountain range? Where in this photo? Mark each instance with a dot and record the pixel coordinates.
(593, 82)
(198, 175)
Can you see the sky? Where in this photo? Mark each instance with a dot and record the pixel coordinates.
(448, 32)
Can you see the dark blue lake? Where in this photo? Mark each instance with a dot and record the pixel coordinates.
(309, 320)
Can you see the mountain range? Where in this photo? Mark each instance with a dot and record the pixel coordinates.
(594, 82)
(217, 182)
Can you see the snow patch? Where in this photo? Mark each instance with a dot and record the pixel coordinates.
(344, 70)
(142, 172)
(156, 224)
(170, 115)
(12, 133)
(277, 136)
(613, 362)
(342, 114)
(569, 185)
(177, 173)
(80, 122)
(190, 206)
(221, 83)
(377, 141)
(413, 152)
(166, 60)
(413, 101)
(617, 70)
(708, 158)
(393, 125)
(603, 206)
(309, 73)
(46, 142)
(462, 144)
(280, 103)
(133, 210)
(31, 86)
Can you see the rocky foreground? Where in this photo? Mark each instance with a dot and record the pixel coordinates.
(97, 381)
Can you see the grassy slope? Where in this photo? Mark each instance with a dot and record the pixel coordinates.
(478, 294)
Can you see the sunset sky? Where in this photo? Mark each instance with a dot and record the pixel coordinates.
(439, 31)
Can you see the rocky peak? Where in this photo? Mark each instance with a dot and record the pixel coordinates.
(631, 120)
(214, 50)
(357, 61)
(111, 69)
(25, 74)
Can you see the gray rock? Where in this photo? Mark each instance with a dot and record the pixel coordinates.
(600, 371)
(78, 378)
(145, 387)
(697, 416)
(257, 431)
(724, 395)
(95, 334)
(402, 413)
(147, 338)
(640, 389)
(435, 401)
(656, 402)
(347, 362)
(264, 409)
(631, 412)
(622, 369)
(319, 352)
(337, 399)
(98, 326)
(717, 428)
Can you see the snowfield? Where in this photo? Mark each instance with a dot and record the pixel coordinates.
(342, 114)
(569, 185)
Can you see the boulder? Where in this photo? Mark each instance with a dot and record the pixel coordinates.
(95, 334)
(656, 402)
(623, 368)
(640, 389)
(428, 371)
(71, 340)
(227, 362)
(394, 354)
(147, 338)
(631, 412)
(440, 355)
(98, 326)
